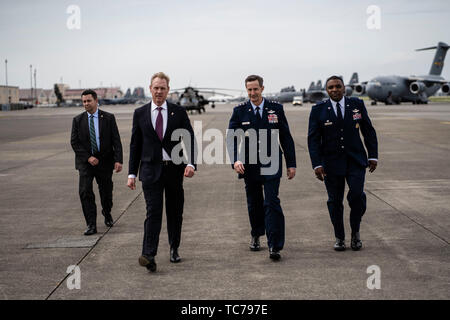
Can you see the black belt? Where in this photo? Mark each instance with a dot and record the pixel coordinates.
(167, 162)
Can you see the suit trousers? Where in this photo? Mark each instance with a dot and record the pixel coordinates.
(356, 197)
(264, 210)
(169, 185)
(103, 177)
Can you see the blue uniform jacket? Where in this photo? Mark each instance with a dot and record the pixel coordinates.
(273, 117)
(329, 145)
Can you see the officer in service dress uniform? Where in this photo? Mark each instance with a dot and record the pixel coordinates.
(261, 120)
(338, 155)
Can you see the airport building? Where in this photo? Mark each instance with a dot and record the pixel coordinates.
(44, 97)
(74, 95)
(41, 96)
(9, 94)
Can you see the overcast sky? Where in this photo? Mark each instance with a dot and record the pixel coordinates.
(216, 43)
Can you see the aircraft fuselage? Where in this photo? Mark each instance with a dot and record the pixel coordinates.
(396, 89)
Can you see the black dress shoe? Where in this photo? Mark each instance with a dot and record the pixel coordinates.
(356, 242)
(339, 245)
(254, 244)
(174, 257)
(148, 262)
(108, 219)
(90, 231)
(274, 254)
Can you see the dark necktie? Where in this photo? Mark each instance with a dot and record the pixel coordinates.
(159, 124)
(339, 113)
(92, 134)
(258, 116)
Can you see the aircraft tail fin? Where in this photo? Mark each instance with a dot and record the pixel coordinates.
(311, 86)
(319, 85)
(438, 62)
(354, 79)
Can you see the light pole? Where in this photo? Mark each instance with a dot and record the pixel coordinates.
(35, 88)
(31, 83)
(6, 78)
(6, 71)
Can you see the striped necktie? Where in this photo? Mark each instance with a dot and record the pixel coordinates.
(92, 134)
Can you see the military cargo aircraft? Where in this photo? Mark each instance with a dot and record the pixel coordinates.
(315, 93)
(415, 89)
(285, 95)
(350, 87)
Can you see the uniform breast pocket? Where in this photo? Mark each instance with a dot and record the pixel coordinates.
(246, 125)
(328, 126)
(329, 131)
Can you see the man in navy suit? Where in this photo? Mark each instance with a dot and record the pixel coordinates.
(159, 170)
(95, 139)
(338, 155)
(259, 162)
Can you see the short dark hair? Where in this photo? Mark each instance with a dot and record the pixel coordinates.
(91, 92)
(334, 78)
(254, 77)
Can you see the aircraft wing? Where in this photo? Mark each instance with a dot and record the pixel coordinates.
(426, 80)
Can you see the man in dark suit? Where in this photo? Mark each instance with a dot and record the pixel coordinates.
(160, 169)
(338, 155)
(98, 150)
(259, 162)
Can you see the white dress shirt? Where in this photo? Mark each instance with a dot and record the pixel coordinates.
(260, 108)
(341, 104)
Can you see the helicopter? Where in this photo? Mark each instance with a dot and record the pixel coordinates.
(192, 99)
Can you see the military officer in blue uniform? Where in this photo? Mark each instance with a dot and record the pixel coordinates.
(338, 155)
(259, 162)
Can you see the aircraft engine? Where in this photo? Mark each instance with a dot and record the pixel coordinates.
(360, 89)
(348, 91)
(417, 87)
(446, 88)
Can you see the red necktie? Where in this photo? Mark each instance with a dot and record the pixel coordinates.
(159, 124)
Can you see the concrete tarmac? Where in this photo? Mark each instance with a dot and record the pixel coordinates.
(405, 231)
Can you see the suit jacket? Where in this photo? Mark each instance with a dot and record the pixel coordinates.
(110, 145)
(329, 146)
(273, 117)
(146, 148)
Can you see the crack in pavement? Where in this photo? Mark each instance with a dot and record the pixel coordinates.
(93, 247)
